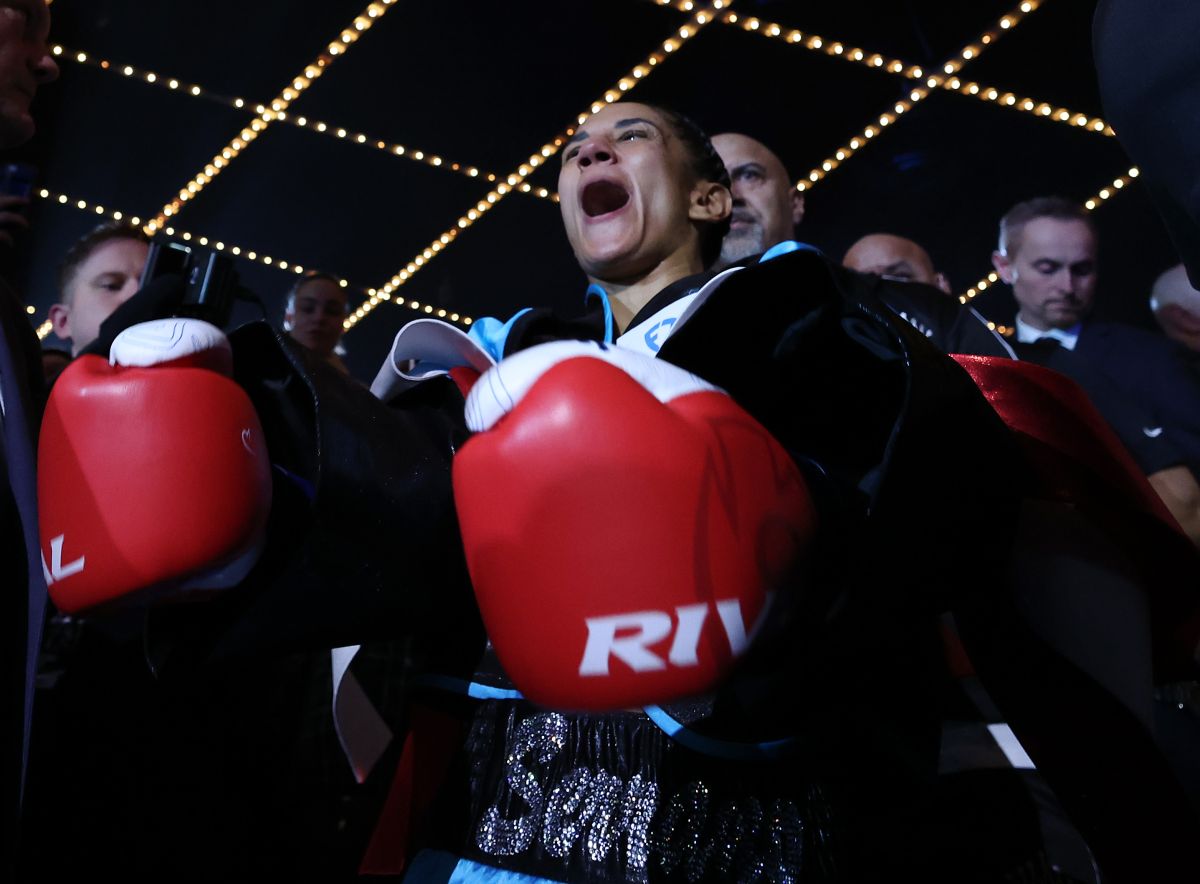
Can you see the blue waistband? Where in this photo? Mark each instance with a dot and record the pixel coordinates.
(440, 867)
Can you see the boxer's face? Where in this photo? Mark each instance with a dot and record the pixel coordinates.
(627, 193)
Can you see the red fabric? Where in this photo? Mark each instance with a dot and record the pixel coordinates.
(464, 378)
(1078, 458)
(957, 661)
(433, 738)
(1052, 409)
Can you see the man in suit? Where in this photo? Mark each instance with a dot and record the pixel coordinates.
(1048, 253)
(25, 64)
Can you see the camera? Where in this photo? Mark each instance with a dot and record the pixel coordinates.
(210, 280)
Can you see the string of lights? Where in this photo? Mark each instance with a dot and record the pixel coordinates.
(276, 111)
(944, 80)
(208, 242)
(809, 41)
(194, 90)
(516, 180)
(968, 53)
(135, 221)
(1091, 204)
(1041, 109)
(279, 104)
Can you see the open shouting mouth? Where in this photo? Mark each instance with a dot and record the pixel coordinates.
(603, 197)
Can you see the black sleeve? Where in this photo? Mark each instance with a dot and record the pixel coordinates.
(909, 470)
(1175, 397)
(947, 324)
(1153, 446)
(159, 299)
(363, 538)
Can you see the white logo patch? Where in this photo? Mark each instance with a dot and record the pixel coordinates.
(57, 570)
(641, 629)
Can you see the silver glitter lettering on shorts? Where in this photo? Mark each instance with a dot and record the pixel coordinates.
(785, 851)
(742, 841)
(681, 835)
(568, 810)
(540, 738)
(601, 808)
(637, 810)
(733, 850)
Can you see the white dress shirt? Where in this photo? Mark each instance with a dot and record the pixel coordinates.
(1068, 337)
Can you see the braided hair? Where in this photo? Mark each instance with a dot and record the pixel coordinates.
(707, 165)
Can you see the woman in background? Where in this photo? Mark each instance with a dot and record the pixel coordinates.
(316, 308)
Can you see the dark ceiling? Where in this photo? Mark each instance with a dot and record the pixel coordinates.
(485, 84)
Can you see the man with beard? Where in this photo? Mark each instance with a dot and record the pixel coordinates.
(766, 210)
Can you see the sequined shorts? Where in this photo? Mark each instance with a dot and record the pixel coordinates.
(612, 798)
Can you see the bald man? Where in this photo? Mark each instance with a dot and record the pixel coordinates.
(766, 207)
(894, 257)
(1176, 306)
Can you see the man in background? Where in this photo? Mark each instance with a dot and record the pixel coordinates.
(766, 207)
(1048, 253)
(99, 273)
(894, 257)
(766, 210)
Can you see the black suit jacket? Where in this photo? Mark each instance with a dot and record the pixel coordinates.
(1154, 372)
(23, 601)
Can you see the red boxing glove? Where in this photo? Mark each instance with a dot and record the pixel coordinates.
(152, 470)
(625, 524)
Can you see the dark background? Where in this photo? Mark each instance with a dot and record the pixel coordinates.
(487, 83)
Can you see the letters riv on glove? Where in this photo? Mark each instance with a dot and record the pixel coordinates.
(622, 548)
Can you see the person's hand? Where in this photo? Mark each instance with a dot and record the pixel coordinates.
(12, 217)
(625, 523)
(155, 471)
